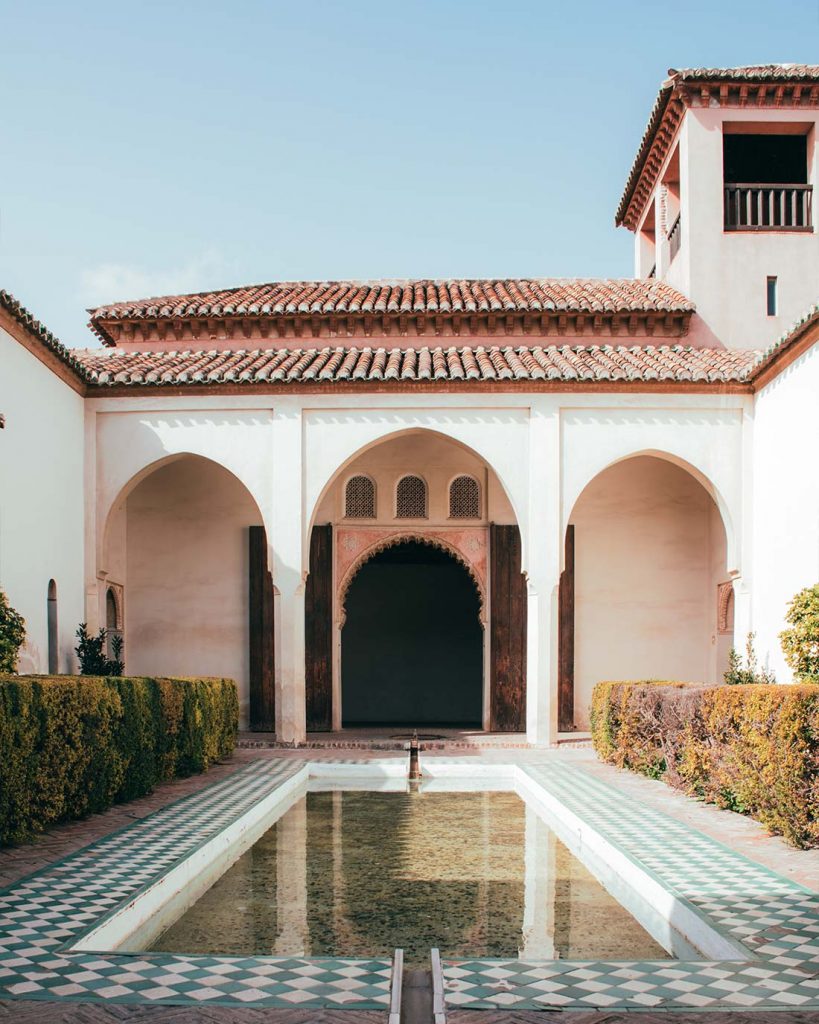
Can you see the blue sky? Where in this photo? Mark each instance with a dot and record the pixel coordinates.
(164, 146)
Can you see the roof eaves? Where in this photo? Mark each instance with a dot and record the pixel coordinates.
(771, 355)
(646, 142)
(684, 77)
(38, 332)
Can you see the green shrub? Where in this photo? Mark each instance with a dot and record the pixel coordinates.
(90, 651)
(800, 643)
(751, 749)
(750, 673)
(73, 745)
(12, 635)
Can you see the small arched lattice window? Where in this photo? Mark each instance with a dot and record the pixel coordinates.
(464, 498)
(359, 498)
(411, 498)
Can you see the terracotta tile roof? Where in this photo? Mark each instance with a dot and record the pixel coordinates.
(39, 332)
(796, 332)
(667, 109)
(750, 73)
(591, 363)
(342, 299)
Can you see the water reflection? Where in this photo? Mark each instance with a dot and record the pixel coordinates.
(359, 873)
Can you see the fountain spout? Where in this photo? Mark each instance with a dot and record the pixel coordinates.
(414, 760)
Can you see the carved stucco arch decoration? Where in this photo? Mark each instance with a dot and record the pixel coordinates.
(725, 597)
(401, 537)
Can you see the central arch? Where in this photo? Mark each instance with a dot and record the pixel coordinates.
(431, 490)
(412, 640)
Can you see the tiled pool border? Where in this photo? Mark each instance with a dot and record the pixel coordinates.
(43, 915)
(774, 918)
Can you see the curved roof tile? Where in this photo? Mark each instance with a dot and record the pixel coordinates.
(675, 363)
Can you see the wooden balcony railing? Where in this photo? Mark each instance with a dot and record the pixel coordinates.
(674, 239)
(768, 207)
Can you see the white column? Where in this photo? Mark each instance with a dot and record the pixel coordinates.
(740, 553)
(539, 890)
(94, 530)
(291, 881)
(541, 562)
(286, 538)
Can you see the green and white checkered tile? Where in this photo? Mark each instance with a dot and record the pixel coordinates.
(43, 915)
(773, 917)
(564, 984)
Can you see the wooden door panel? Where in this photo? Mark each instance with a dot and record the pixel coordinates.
(318, 631)
(507, 645)
(565, 637)
(261, 634)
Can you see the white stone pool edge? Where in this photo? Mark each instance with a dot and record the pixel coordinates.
(668, 918)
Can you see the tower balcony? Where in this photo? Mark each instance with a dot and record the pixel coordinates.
(758, 206)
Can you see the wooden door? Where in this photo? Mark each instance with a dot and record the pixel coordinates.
(507, 631)
(262, 654)
(318, 631)
(565, 639)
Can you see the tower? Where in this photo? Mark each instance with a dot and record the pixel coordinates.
(720, 198)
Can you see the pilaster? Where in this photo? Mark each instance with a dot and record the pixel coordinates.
(541, 563)
(287, 561)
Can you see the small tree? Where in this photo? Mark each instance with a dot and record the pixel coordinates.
(749, 673)
(91, 653)
(800, 643)
(12, 635)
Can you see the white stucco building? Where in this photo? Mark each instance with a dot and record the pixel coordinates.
(449, 502)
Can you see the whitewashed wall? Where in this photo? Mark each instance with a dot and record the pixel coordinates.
(186, 578)
(785, 500)
(41, 501)
(649, 553)
(292, 453)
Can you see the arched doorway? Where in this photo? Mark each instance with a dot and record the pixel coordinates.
(412, 641)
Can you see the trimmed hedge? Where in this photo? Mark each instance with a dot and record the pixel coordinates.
(74, 745)
(751, 749)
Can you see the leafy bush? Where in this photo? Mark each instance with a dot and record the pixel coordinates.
(74, 745)
(752, 749)
(91, 654)
(12, 635)
(750, 673)
(800, 643)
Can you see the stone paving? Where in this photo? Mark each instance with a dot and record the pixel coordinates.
(739, 834)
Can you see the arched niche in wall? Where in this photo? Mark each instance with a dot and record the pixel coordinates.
(52, 628)
(180, 537)
(645, 551)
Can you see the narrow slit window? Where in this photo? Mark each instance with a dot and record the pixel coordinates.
(771, 296)
(53, 633)
(113, 620)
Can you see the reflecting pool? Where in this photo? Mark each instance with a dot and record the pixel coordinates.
(477, 874)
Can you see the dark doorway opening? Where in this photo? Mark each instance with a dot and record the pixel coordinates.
(412, 643)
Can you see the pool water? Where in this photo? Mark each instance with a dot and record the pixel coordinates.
(476, 874)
